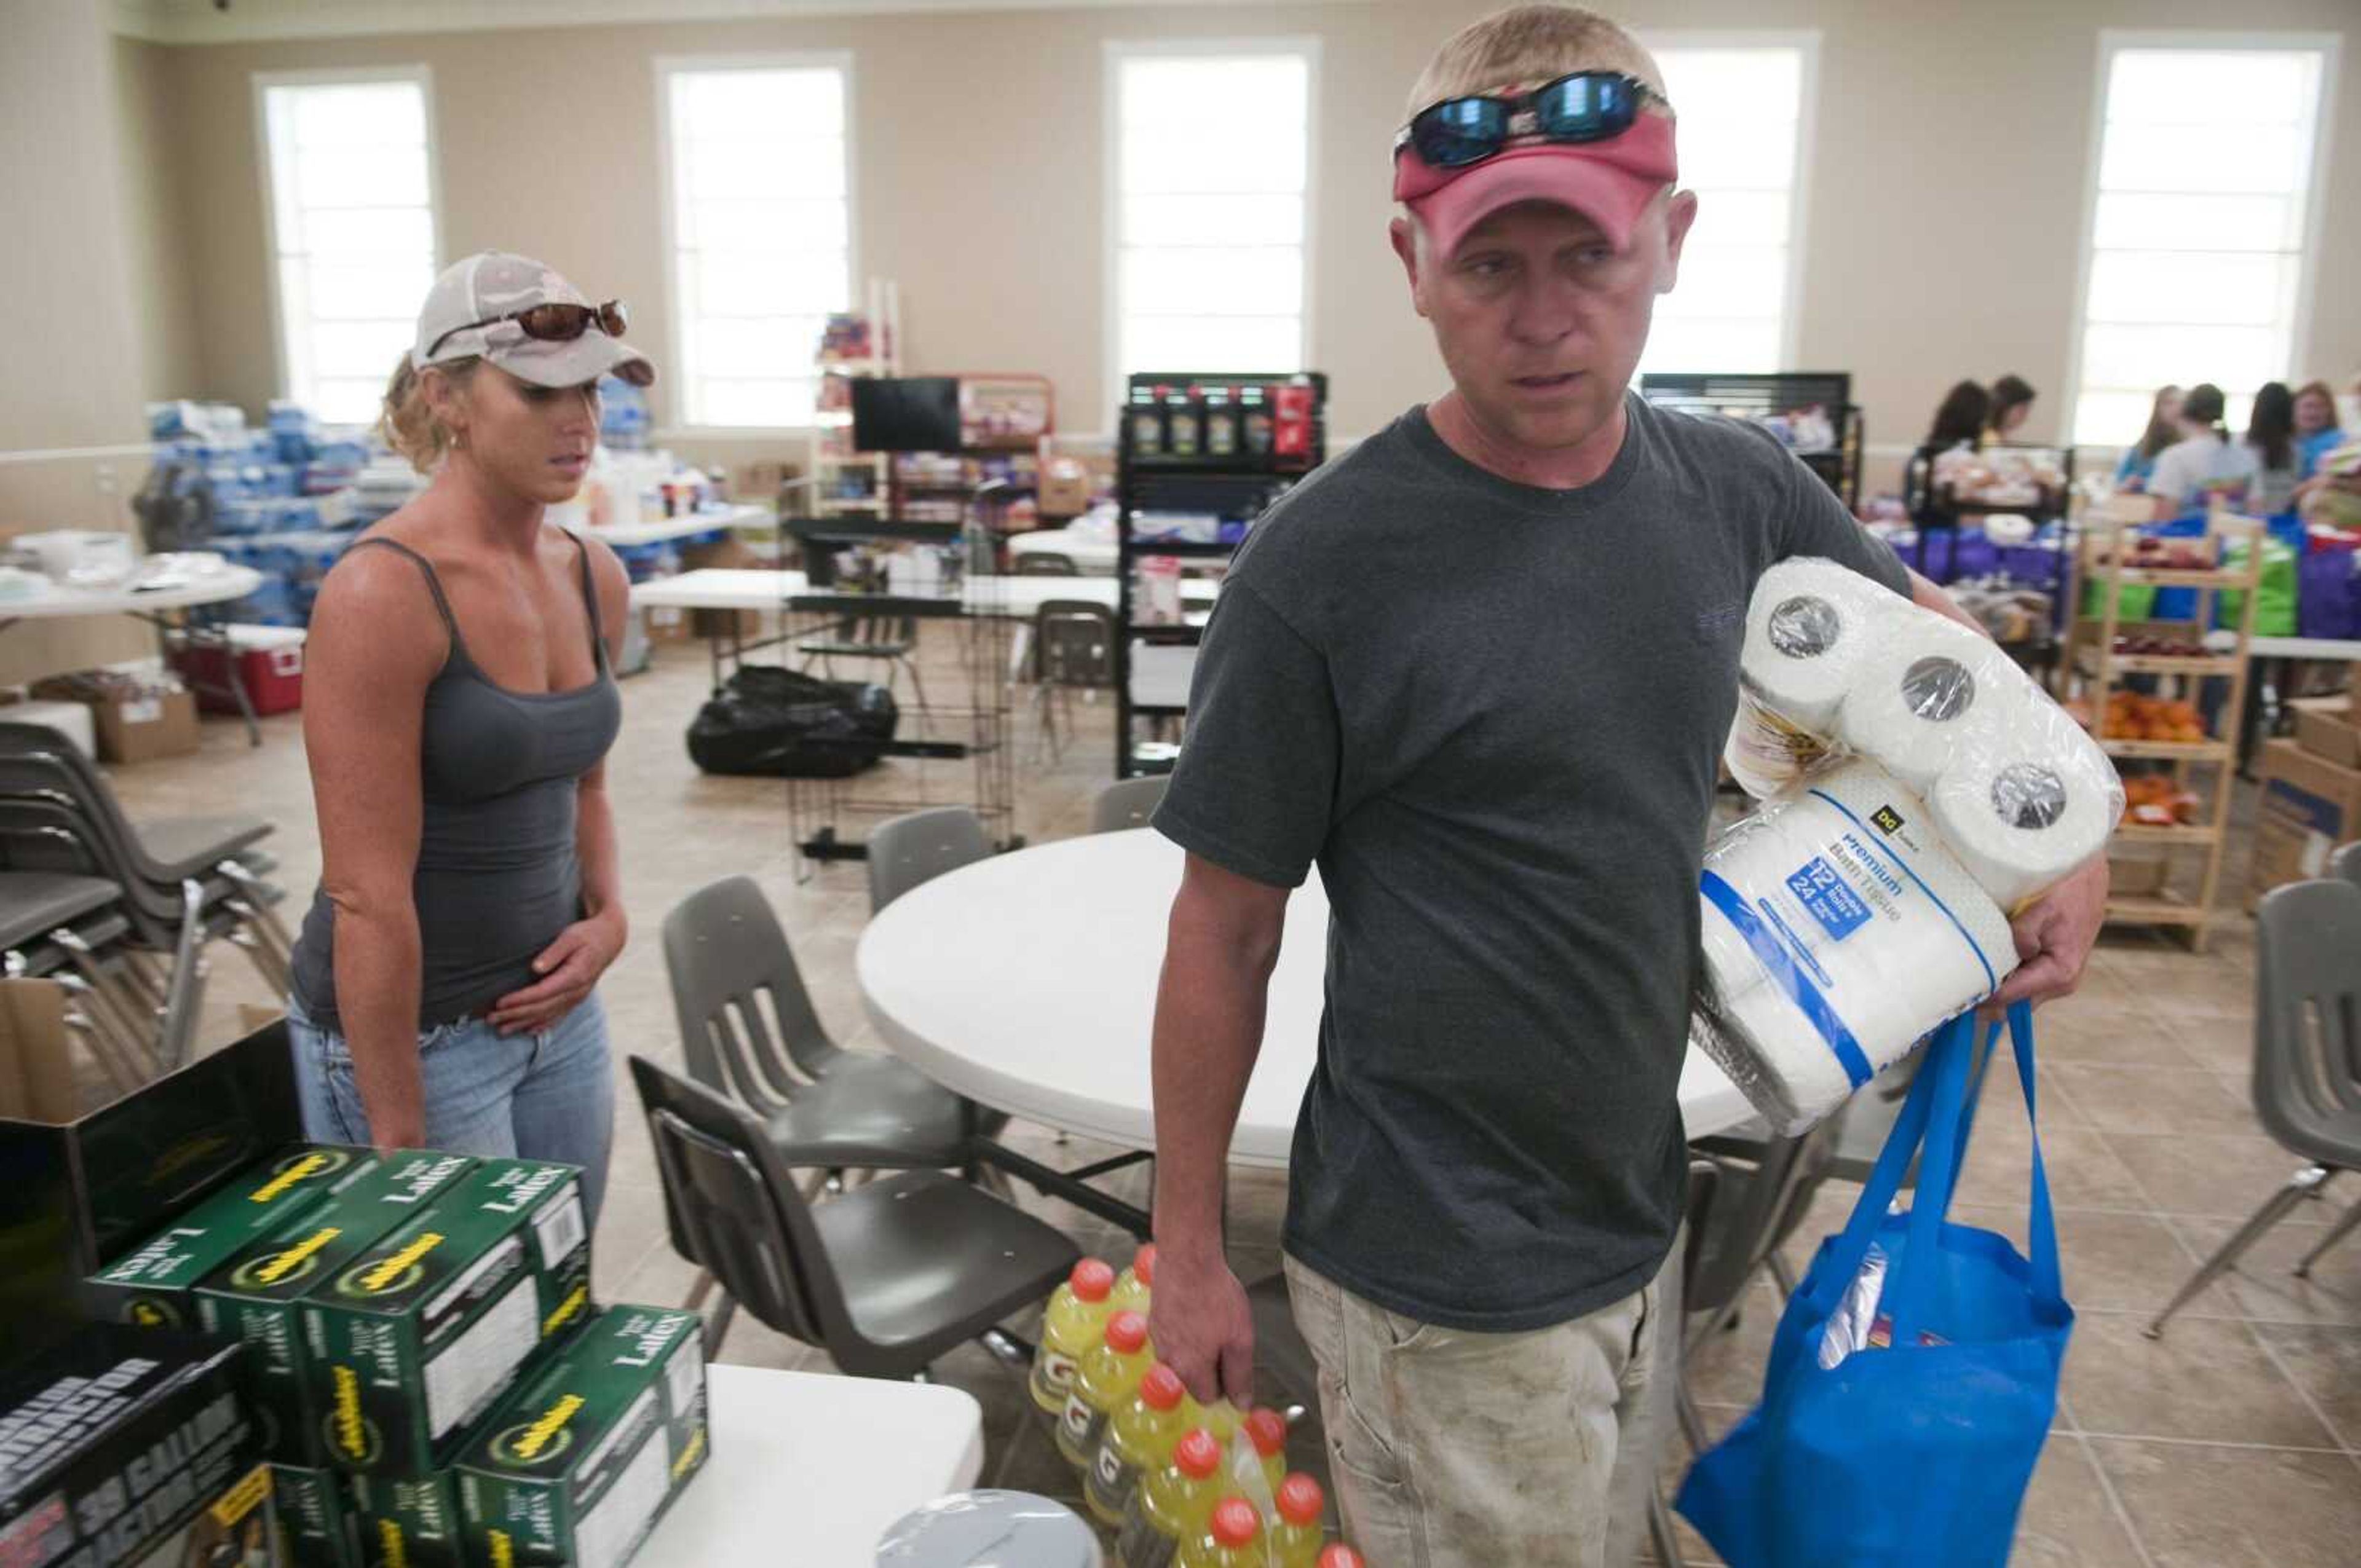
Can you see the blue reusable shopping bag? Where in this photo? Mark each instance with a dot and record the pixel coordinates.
(1915, 1455)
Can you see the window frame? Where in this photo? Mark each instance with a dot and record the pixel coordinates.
(261, 82)
(2112, 40)
(666, 67)
(1113, 53)
(1805, 41)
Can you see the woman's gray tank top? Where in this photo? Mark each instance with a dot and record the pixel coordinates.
(498, 878)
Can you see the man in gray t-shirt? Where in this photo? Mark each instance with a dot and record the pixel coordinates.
(1480, 670)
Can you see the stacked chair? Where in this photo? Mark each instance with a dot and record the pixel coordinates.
(175, 887)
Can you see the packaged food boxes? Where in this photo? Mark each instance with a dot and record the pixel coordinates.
(255, 1294)
(125, 1445)
(149, 1285)
(417, 1336)
(577, 1465)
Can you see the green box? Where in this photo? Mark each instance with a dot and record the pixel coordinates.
(150, 1284)
(408, 1521)
(418, 1336)
(575, 1468)
(254, 1294)
(317, 1528)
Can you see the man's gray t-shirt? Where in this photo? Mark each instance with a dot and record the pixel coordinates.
(1492, 715)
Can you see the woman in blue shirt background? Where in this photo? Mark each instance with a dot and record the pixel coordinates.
(2139, 459)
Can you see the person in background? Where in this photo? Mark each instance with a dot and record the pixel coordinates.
(1961, 417)
(2271, 437)
(2139, 458)
(461, 671)
(2316, 430)
(2204, 466)
(2012, 402)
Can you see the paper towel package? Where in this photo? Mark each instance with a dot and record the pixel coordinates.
(1838, 930)
(1808, 628)
(1934, 692)
(2029, 803)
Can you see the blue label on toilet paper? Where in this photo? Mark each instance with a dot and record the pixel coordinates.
(1818, 888)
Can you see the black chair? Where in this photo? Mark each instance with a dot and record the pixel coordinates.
(885, 1278)
(887, 638)
(856, 1110)
(1074, 650)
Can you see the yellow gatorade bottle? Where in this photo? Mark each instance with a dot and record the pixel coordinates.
(1132, 1287)
(1173, 1505)
(1107, 1377)
(1295, 1537)
(1076, 1319)
(1139, 1439)
(1233, 1539)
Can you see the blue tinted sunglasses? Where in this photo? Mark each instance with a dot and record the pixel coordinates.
(1587, 106)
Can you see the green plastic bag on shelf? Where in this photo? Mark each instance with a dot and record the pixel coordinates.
(2274, 600)
(2133, 602)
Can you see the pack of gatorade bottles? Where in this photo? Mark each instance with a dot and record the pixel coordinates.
(1183, 1484)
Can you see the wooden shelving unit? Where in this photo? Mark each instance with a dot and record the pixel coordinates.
(2185, 859)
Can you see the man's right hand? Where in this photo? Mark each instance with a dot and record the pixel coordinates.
(1201, 1326)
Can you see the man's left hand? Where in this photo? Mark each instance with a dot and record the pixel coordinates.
(2054, 939)
(568, 968)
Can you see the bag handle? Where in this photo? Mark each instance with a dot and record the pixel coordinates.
(1950, 1043)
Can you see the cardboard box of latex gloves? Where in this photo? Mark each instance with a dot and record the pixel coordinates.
(149, 1285)
(130, 1445)
(411, 1520)
(255, 1295)
(575, 1469)
(417, 1336)
(317, 1526)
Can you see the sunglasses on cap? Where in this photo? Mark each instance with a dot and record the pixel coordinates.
(1585, 105)
(552, 323)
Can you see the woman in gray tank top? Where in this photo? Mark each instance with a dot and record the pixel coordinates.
(460, 702)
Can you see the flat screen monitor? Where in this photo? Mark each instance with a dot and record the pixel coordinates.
(905, 414)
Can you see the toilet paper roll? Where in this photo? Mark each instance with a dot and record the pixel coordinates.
(1806, 628)
(2028, 805)
(1932, 691)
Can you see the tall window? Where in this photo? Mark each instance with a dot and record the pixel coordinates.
(352, 232)
(1741, 142)
(1212, 158)
(2204, 189)
(761, 233)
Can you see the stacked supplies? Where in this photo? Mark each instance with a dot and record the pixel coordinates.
(1921, 787)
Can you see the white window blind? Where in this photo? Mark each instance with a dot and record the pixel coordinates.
(2204, 187)
(353, 234)
(762, 236)
(1739, 134)
(1211, 162)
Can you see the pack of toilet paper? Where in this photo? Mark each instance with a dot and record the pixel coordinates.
(1919, 788)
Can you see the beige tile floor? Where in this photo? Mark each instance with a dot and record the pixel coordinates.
(2236, 1440)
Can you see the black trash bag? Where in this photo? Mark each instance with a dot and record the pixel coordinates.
(780, 723)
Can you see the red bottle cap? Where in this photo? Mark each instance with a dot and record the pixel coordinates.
(1236, 1523)
(1197, 1454)
(1125, 1333)
(1143, 1264)
(1267, 1428)
(1161, 1388)
(1300, 1499)
(1340, 1556)
(1092, 1280)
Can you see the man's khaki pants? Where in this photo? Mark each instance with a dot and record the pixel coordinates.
(1449, 1448)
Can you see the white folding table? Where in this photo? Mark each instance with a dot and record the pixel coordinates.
(151, 605)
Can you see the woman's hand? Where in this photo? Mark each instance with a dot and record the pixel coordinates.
(568, 969)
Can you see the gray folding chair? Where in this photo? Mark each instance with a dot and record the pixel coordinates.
(2307, 1080)
(2346, 862)
(885, 1278)
(726, 956)
(917, 848)
(55, 926)
(1127, 804)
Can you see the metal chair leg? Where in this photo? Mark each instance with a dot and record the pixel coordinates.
(115, 1054)
(2299, 1186)
(1666, 1540)
(2336, 1232)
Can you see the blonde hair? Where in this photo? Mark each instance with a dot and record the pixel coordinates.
(407, 421)
(1530, 43)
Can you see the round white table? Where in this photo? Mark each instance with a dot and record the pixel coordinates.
(151, 606)
(1027, 982)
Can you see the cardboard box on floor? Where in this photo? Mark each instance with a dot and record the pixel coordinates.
(2308, 805)
(37, 1073)
(2328, 729)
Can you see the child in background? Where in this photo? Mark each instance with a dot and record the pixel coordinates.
(2139, 459)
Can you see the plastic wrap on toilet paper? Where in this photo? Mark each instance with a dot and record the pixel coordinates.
(1809, 627)
(1933, 692)
(2031, 802)
(1838, 930)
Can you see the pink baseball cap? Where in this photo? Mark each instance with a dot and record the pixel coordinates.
(1610, 183)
